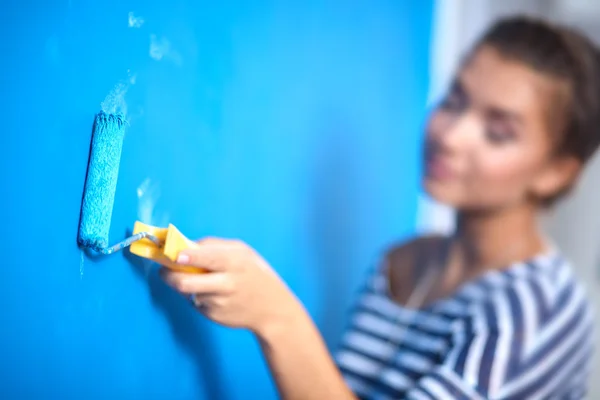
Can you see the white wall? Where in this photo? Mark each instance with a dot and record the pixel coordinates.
(574, 224)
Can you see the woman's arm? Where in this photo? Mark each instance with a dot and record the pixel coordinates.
(300, 362)
(241, 290)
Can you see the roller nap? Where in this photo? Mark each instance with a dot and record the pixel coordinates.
(101, 181)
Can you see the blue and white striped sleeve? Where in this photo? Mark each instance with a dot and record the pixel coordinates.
(513, 347)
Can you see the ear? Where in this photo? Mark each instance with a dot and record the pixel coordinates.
(556, 177)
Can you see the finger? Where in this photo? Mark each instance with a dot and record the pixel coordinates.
(204, 307)
(211, 257)
(209, 240)
(201, 300)
(214, 283)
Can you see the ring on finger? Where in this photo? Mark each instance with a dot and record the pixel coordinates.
(195, 301)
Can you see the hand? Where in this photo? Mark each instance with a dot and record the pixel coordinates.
(240, 289)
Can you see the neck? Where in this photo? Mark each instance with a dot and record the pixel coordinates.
(488, 240)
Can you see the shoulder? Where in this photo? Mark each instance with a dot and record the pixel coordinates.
(540, 322)
(402, 260)
(408, 249)
(543, 298)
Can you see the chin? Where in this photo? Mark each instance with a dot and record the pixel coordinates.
(449, 195)
(440, 192)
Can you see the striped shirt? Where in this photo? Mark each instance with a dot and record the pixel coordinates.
(524, 332)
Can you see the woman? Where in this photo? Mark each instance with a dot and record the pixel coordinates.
(491, 312)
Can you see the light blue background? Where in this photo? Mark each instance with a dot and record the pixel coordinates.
(293, 125)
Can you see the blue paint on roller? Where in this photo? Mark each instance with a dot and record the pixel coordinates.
(101, 181)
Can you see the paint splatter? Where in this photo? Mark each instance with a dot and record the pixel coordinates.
(114, 102)
(160, 48)
(148, 193)
(135, 22)
(81, 261)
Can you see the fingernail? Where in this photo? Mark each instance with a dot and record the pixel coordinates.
(183, 258)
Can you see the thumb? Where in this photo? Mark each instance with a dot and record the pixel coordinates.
(209, 257)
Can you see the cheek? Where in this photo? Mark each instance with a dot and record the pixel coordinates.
(496, 176)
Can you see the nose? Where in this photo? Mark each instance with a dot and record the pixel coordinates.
(455, 132)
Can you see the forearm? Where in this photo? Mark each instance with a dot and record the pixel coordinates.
(300, 362)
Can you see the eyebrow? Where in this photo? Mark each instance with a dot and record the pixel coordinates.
(503, 114)
(495, 112)
(458, 87)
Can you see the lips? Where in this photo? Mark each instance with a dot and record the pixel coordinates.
(436, 166)
(438, 169)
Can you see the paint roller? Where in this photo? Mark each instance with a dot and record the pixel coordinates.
(161, 245)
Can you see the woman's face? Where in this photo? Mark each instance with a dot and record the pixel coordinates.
(488, 143)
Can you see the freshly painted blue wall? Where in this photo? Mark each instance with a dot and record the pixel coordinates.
(293, 125)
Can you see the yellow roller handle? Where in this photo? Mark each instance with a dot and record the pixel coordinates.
(166, 255)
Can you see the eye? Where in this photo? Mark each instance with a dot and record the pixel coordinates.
(498, 133)
(454, 102)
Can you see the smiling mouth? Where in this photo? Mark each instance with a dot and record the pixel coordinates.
(435, 167)
(438, 170)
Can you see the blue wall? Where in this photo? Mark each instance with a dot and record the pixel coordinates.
(293, 125)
